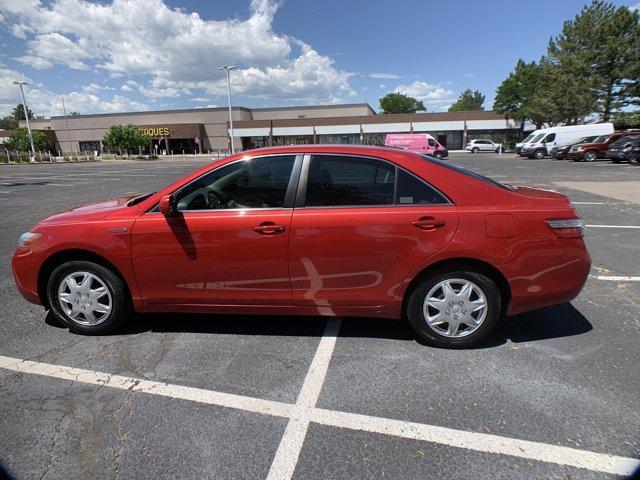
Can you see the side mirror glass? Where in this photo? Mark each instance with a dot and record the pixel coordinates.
(166, 205)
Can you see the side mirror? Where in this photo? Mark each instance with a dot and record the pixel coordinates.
(166, 205)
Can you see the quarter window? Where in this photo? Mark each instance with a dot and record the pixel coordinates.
(348, 181)
(412, 191)
(260, 182)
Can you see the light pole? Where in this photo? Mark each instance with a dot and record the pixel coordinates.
(26, 116)
(64, 109)
(228, 68)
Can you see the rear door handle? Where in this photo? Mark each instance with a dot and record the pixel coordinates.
(268, 228)
(428, 223)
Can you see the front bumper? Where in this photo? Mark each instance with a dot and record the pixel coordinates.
(576, 155)
(25, 266)
(616, 155)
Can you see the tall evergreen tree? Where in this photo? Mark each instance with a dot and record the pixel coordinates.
(600, 48)
(467, 101)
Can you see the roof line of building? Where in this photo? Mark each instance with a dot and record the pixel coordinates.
(216, 109)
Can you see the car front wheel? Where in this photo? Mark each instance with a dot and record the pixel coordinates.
(438, 155)
(88, 298)
(539, 154)
(456, 309)
(590, 157)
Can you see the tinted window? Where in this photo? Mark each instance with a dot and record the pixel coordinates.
(601, 138)
(527, 138)
(342, 180)
(255, 183)
(412, 191)
(550, 138)
(537, 138)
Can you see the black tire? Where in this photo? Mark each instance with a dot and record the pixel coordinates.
(475, 150)
(438, 155)
(539, 154)
(590, 156)
(121, 308)
(432, 337)
(616, 160)
(634, 160)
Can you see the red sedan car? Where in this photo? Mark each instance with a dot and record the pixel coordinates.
(313, 230)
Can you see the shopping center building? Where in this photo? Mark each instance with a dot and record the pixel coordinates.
(201, 130)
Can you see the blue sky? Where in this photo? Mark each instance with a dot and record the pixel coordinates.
(126, 55)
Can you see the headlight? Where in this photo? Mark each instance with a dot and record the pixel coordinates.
(27, 239)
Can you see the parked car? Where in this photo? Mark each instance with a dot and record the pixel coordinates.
(475, 146)
(417, 143)
(591, 151)
(312, 230)
(562, 152)
(625, 149)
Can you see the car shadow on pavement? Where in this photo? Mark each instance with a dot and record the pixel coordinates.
(553, 322)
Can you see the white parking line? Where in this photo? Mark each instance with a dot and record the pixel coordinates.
(616, 278)
(286, 459)
(302, 413)
(587, 203)
(614, 226)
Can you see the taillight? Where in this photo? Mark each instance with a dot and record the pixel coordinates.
(567, 227)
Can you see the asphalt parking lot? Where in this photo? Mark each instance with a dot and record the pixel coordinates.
(553, 394)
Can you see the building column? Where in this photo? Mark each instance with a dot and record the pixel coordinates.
(465, 135)
(271, 134)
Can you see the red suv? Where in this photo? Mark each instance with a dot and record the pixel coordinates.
(313, 230)
(589, 152)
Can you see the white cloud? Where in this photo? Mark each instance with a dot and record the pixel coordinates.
(635, 7)
(126, 88)
(172, 51)
(433, 96)
(47, 103)
(384, 76)
(382, 86)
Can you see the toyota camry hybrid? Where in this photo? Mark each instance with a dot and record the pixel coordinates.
(313, 230)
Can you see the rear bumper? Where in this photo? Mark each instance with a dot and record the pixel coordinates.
(549, 283)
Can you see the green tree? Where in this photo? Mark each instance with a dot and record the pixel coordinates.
(467, 101)
(10, 122)
(125, 138)
(399, 103)
(19, 140)
(600, 48)
(561, 97)
(515, 95)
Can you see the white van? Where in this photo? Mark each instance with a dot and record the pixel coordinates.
(540, 145)
(525, 142)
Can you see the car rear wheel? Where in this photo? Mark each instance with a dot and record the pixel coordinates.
(634, 160)
(455, 309)
(590, 157)
(475, 150)
(88, 298)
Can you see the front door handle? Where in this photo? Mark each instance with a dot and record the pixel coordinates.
(428, 223)
(268, 228)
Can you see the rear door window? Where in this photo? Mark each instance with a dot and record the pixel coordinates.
(348, 181)
(413, 191)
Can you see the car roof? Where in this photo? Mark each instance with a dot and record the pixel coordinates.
(328, 148)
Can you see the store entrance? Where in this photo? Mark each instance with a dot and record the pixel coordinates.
(178, 145)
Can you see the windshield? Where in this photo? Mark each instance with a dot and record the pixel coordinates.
(527, 138)
(468, 173)
(537, 138)
(622, 141)
(600, 139)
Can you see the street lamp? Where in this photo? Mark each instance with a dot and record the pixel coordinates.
(228, 68)
(26, 116)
